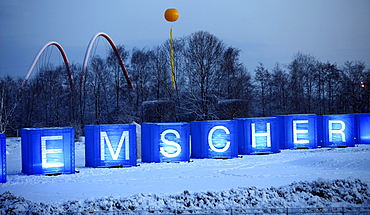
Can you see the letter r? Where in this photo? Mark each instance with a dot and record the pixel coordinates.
(337, 131)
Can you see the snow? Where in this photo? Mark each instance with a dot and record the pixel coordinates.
(335, 177)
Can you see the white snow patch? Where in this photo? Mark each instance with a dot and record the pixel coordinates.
(293, 178)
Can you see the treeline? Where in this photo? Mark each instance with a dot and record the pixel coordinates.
(211, 83)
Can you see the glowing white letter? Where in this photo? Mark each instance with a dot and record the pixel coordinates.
(210, 139)
(124, 137)
(255, 135)
(299, 131)
(45, 151)
(171, 143)
(340, 131)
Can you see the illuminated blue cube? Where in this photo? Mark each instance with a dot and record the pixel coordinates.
(362, 126)
(257, 135)
(298, 131)
(110, 145)
(48, 150)
(165, 142)
(338, 130)
(214, 139)
(3, 158)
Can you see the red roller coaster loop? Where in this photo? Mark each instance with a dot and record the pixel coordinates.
(64, 58)
(84, 68)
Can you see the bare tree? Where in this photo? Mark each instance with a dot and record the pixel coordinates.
(161, 73)
(279, 90)
(353, 94)
(8, 102)
(329, 88)
(203, 51)
(98, 85)
(303, 83)
(233, 86)
(123, 96)
(118, 77)
(263, 80)
(211, 83)
(142, 77)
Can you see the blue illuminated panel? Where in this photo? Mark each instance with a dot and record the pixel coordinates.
(214, 139)
(362, 124)
(298, 131)
(110, 145)
(48, 150)
(165, 142)
(3, 158)
(338, 130)
(257, 135)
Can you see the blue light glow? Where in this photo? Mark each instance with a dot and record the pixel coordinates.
(298, 131)
(165, 142)
(2, 158)
(214, 139)
(48, 150)
(51, 150)
(110, 145)
(338, 130)
(257, 135)
(362, 122)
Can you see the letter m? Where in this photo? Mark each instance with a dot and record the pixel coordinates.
(105, 139)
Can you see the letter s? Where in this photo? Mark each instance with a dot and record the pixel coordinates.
(171, 143)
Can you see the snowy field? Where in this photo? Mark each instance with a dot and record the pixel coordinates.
(325, 177)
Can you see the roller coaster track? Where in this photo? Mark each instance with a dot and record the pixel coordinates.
(86, 59)
(84, 67)
(38, 56)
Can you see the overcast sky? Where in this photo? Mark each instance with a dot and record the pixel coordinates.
(266, 31)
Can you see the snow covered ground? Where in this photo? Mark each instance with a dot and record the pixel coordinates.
(342, 175)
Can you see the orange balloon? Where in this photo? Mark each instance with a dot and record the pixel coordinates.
(171, 14)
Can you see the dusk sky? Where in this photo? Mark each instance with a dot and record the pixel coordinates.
(266, 31)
